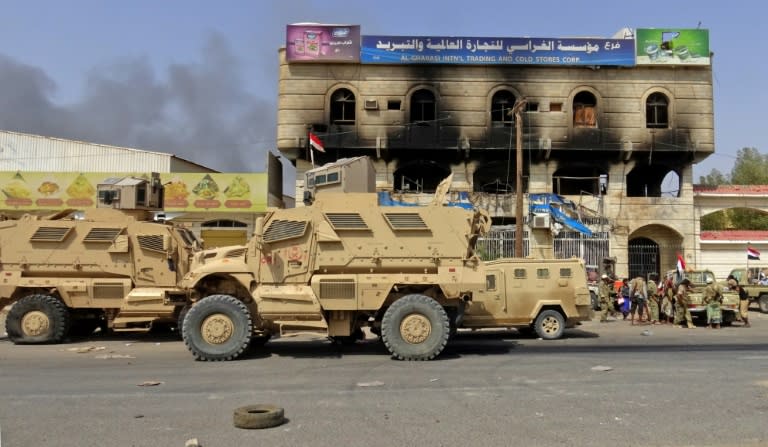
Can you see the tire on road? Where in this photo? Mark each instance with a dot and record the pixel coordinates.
(37, 319)
(217, 328)
(762, 301)
(415, 327)
(258, 416)
(549, 325)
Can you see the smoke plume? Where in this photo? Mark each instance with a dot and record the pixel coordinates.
(200, 111)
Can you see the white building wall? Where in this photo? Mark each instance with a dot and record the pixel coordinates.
(26, 152)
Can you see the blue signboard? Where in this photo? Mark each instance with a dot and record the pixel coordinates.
(496, 50)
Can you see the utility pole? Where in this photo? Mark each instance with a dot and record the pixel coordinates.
(517, 110)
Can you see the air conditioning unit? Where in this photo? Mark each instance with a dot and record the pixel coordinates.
(371, 104)
(540, 221)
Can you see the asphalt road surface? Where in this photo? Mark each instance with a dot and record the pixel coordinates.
(608, 384)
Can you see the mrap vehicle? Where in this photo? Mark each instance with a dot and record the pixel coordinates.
(346, 261)
(113, 267)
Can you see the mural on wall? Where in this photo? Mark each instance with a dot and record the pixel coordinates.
(184, 192)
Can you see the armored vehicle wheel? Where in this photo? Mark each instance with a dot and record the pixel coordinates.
(549, 325)
(37, 319)
(762, 301)
(415, 327)
(258, 416)
(180, 321)
(218, 327)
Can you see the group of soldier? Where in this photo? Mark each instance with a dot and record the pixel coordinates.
(665, 302)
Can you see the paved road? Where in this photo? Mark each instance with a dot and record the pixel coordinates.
(674, 387)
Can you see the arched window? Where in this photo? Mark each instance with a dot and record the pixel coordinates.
(584, 110)
(342, 107)
(657, 111)
(423, 108)
(501, 109)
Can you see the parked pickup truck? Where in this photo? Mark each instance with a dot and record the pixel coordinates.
(748, 279)
(698, 278)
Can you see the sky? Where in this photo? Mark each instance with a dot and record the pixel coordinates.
(198, 79)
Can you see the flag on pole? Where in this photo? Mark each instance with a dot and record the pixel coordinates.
(316, 143)
(753, 254)
(680, 265)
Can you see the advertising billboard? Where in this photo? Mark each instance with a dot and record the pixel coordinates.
(311, 42)
(184, 192)
(496, 50)
(672, 46)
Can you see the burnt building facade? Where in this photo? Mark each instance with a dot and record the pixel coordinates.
(618, 141)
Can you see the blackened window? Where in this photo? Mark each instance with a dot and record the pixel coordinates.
(501, 109)
(657, 112)
(423, 108)
(343, 107)
(584, 110)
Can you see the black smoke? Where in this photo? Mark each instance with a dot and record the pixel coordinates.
(201, 111)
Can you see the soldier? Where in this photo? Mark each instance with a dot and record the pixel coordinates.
(653, 298)
(606, 301)
(639, 295)
(713, 298)
(681, 304)
(733, 284)
(667, 302)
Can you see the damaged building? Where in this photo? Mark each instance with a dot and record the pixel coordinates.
(609, 127)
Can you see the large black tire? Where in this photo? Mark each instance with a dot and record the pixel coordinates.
(762, 301)
(549, 325)
(218, 327)
(258, 416)
(37, 319)
(180, 321)
(415, 327)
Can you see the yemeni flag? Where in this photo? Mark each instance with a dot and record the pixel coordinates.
(680, 265)
(316, 143)
(753, 254)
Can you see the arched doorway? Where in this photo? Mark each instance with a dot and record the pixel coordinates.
(643, 254)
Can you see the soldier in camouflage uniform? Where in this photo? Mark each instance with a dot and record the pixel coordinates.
(681, 304)
(653, 299)
(713, 298)
(606, 303)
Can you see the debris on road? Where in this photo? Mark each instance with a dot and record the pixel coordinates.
(84, 349)
(602, 368)
(368, 384)
(149, 383)
(114, 356)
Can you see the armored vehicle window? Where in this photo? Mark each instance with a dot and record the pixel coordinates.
(405, 221)
(542, 273)
(333, 177)
(279, 230)
(102, 234)
(151, 242)
(346, 221)
(566, 273)
(320, 179)
(189, 238)
(50, 234)
(520, 274)
(490, 282)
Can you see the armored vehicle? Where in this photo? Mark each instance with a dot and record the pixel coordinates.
(344, 262)
(111, 268)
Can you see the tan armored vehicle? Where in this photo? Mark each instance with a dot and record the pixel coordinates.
(111, 268)
(345, 262)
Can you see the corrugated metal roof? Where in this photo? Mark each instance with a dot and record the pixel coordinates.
(27, 152)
